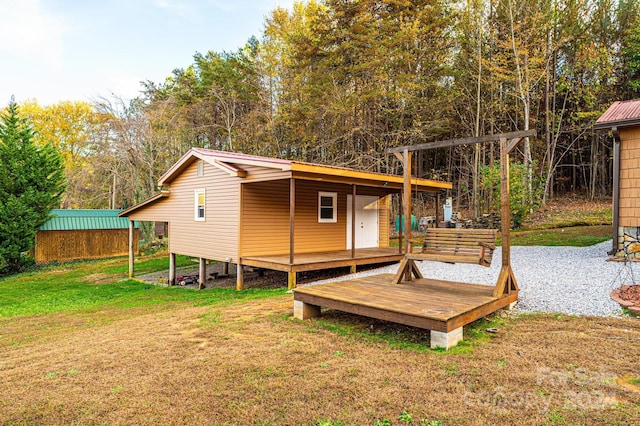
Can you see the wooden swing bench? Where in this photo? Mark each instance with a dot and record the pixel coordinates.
(450, 245)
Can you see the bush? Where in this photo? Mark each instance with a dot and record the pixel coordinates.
(521, 203)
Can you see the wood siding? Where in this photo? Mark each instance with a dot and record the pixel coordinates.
(217, 236)
(630, 177)
(265, 218)
(264, 225)
(63, 246)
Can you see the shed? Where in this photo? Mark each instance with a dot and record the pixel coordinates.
(623, 119)
(73, 234)
(271, 213)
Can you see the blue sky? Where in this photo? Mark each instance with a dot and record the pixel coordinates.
(54, 50)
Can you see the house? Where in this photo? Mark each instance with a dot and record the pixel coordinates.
(83, 234)
(276, 214)
(623, 119)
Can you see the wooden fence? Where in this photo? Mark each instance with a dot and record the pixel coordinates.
(87, 244)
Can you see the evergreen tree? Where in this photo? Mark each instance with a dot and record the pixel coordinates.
(31, 184)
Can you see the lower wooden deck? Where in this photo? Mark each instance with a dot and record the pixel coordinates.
(425, 303)
(324, 260)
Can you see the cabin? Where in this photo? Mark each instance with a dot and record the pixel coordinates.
(273, 213)
(623, 120)
(73, 234)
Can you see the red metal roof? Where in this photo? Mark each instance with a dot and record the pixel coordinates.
(620, 113)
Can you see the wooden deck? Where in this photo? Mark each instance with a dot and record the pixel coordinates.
(436, 305)
(323, 260)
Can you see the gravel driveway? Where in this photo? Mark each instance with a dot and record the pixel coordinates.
(570, 280)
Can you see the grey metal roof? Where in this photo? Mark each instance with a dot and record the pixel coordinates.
(620, 114)
(80, 219)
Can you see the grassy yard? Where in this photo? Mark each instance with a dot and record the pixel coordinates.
(81, 344)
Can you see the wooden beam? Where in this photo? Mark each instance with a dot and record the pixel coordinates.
(292, 218)
(292, 280)
(505, 208)
(131, 248)
(464, 141)
(400, 225)
(407, 199)
(512, 144)
(353, 221)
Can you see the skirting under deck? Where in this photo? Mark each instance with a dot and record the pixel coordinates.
(425, 303)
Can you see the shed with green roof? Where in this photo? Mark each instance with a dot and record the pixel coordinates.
(73, 234)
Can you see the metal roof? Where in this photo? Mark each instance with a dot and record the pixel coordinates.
(82, 220)
(621, 114)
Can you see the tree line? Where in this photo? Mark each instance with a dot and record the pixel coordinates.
(340, 81)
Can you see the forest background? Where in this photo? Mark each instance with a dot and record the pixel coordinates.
(338, 82)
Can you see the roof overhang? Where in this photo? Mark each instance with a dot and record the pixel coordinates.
(143, 204)
(348, 176)
(620, 114)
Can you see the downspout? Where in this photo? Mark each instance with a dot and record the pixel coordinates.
(616, 188)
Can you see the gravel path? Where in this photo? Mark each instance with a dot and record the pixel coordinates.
(570, 280)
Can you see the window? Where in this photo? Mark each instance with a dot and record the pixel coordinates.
(200, 168)
(327, 207)
(199, 204)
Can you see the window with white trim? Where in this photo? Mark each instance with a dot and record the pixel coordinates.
(327, 207)
(199, 205)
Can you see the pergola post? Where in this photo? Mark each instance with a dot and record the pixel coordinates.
(131, 248)
(172, 269)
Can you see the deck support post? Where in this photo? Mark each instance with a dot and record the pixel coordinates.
(441, 339)
(352, 269)
(303, 311)
(202, 273)
(239, 277)
(131, 249)
(172, 269)
(292, 280)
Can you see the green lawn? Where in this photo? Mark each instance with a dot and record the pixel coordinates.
(93, 285)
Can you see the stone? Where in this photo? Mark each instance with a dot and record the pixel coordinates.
(440, 339)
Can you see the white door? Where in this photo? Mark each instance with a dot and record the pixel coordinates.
(366, 221)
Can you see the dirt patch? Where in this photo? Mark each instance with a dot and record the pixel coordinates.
(251, 363)
(253, 277)
(99, 278)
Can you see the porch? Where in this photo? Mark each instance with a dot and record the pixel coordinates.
(301, 262)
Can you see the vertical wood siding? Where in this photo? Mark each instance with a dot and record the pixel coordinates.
(630, 177)
(265, 218)
(86, 244)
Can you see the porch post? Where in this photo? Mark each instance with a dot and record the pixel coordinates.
(438, 217)
(202, 273)
(505, 210)
(131, 248)
(292, 215)
(353, 221)
(172, 269)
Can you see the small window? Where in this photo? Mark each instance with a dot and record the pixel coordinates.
(199, 205)
(327, 207)
(200, 168)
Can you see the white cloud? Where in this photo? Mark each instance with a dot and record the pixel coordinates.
(180, 8)
(27, 30)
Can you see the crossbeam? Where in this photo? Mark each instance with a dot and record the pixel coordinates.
(465, 141)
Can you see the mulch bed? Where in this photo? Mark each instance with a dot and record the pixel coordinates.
(628, 296)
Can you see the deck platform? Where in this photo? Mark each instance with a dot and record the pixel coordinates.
(323, 260)
(436, 305)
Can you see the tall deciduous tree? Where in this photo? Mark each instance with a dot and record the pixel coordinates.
(31, 184)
